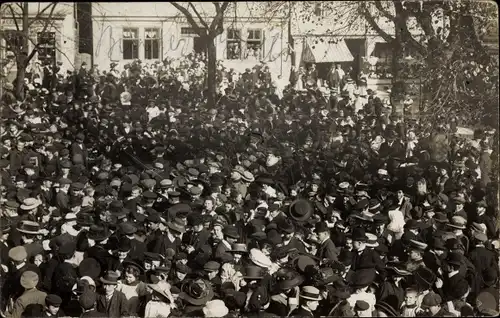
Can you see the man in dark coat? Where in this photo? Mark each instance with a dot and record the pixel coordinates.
(326, 247)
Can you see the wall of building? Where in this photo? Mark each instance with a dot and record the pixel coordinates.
(110, 20)
(62, 24)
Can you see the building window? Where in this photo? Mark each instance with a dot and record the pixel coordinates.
(46, 46)
(13, 40)
(191, 31)
(152, 44)
(233, 46)
(254, 44)
(318, 9)
(130, 44)
(384, 53)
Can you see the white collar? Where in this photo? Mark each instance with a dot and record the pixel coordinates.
(20, 265)
(451, 274)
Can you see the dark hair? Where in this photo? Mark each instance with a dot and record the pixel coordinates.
(33, 310)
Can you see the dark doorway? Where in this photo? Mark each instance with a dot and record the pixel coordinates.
(199, 45)
(357, 48)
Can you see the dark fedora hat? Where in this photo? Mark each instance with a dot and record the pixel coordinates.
(231, 231)
(111, 278)
(253, 272)
(286, 226)
(288, 279)
(85, 219)
(98, 233)
(359, 234)
(363, 277)
(300, 210)
(197, 292)
(177, 225)
(134, 263)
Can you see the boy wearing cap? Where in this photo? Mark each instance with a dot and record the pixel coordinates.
(53, 306)
(31, 294)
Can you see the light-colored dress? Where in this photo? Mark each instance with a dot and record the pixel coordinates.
(133, 293)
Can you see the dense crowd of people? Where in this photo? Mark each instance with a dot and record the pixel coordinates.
(123, 194)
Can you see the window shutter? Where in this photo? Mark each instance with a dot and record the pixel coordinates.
(115, 44)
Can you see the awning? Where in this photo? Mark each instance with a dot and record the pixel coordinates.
(325, 52)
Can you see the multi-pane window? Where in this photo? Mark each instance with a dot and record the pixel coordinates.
(255, 40)
(13, 40)
(130, 44)
(318, 9)
(233, 46)
(151, 44)
(46, 46)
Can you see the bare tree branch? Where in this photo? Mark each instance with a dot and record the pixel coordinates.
(373, 24)
(189, 17)
(202, 21)
(14, 17)
(384, 11)
(40, 13)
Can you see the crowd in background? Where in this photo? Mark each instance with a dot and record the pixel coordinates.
(123, 194)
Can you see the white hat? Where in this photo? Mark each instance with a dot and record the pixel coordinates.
(259, 258)
(215, 308)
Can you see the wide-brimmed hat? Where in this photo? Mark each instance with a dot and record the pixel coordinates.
(372, 240)
(300, 210)
(177, 225)
(310, 293)
(457, 222)
(215, 309)
(159, 289)
(231, 231)
(259, 258)
(130, 262)
(30, 204)
(111, 278)
(248, 176)
(288, 279)
(98, 233)
(29, 227)
(197, 292)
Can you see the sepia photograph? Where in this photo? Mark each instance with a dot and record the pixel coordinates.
(236, 159)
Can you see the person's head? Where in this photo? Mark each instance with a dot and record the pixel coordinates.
(411, 296)
(422, 186)
(358, 245)
(109, 289)
(208, 204)
(217, 232)
(131, 274)
(53, 303)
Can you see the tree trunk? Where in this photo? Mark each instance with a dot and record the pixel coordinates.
(19, 89)
(212, 72)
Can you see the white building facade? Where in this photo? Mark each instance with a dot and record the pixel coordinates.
(151, 32)
(55, 32)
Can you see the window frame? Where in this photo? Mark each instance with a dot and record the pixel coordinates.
(253, 40)
(235, 38)
(151, 41)
(135, 39)
(48, 48)
(18, 40)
